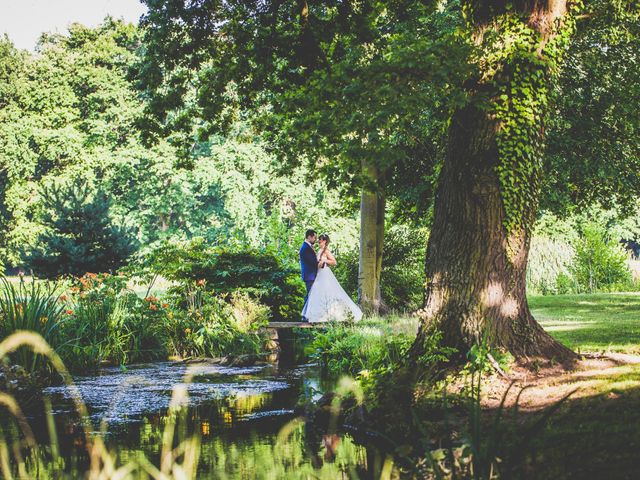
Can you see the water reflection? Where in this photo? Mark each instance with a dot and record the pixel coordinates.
(244, 416)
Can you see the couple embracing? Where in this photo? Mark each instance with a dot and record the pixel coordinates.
(326, 300)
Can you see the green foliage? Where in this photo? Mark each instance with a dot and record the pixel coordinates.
(68, 112)
(549, 267)
(98, 320)
(32, 306)
(107, 323)
(402, 282)
(600, 262)
(581, 253)
(372, 348)
(517, 63)
(352, 350)
(376, 352)
(330, 84)
(249, 315)
(79, 235)
(378, 82)
(593, 142)
(260, 273)
(402, 278)
(204, 325)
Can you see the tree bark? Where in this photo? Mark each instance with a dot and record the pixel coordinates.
(372, 206)
(476, 263)
(380, 225)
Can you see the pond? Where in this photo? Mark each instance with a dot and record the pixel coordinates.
(245, 418)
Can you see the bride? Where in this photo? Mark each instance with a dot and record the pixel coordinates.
(327, 299)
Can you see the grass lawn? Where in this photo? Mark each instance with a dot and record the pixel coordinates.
(591, 323)
(595, 434)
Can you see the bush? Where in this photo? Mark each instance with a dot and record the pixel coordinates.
(201, 324)
(403, 265)
(600, 263)
(402, 278)
(79, 235)
(249, 314)
(580, 253)
(367, 345)
(99, 320)
(259, 273)
(565, 284)
(107, 323)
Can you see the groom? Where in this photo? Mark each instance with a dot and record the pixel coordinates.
(308, 263)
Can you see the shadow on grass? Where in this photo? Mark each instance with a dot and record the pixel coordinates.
(594, 437)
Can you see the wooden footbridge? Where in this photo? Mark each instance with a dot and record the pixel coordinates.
(286, 325)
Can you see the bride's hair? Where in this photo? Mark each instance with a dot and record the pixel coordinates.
(324, 237)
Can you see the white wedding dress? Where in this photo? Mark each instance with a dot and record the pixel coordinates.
(328, 302)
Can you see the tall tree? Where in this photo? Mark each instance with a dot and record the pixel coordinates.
(323, 81)
(363, 83)
(488, 190)
(490, 184)
(80, 236)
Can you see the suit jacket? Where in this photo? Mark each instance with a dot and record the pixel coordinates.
(308, 263)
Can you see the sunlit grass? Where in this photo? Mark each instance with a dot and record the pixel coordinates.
(591, 323)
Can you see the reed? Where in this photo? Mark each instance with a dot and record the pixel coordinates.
(177, 462)
(35, 307)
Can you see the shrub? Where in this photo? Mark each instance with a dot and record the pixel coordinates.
(202, 324)
(259, 273)
(600, 263)
(248, 313)
(403, 265)
(108, 323)
(368, 345)
(565, 284)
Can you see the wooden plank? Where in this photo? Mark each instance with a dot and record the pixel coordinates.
(292, 325)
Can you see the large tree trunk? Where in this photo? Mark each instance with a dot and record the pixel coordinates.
(485, 208)
(372, 210)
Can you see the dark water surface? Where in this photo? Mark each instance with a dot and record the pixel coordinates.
(244, 416)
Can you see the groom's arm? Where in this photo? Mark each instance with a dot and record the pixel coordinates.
(310, 256)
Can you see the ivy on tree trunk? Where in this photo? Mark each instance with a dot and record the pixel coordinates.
(488, 189)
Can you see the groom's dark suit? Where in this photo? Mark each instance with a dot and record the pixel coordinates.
(308, 267)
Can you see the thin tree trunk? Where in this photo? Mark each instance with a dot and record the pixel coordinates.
(380, 226)
(477, 256)
(371, 239)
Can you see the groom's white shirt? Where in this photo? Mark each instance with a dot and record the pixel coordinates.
(308, 243)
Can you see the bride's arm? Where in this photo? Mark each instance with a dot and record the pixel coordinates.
(331, 260)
